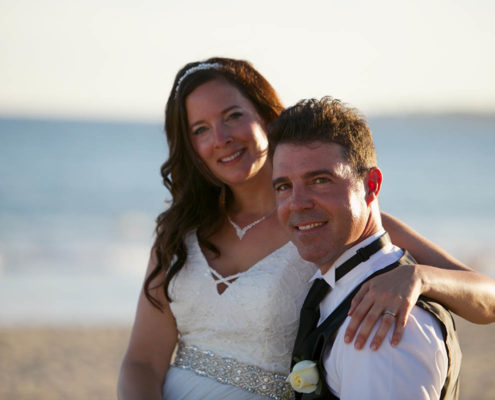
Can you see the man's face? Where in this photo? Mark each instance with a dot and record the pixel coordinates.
(321, 203)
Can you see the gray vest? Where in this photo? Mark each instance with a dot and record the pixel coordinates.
(322, 337)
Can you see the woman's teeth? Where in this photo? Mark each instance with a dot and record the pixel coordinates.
(230, 158)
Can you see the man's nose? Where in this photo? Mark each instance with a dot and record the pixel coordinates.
(300, 198)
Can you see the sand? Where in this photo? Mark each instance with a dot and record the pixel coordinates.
(58, 363)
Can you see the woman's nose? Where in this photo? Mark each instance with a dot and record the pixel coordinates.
(222, 135)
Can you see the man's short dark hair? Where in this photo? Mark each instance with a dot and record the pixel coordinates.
(328, 121)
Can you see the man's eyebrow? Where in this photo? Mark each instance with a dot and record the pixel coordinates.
(276, 181)
(307, 175)
(323, 171)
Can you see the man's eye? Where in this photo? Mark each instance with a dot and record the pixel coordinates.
(320, 180)
(282, 187)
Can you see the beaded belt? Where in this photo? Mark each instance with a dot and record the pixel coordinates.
(232, 372)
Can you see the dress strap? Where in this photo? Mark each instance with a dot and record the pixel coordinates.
(220, 279)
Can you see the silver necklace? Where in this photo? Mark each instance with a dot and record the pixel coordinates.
(240, 232)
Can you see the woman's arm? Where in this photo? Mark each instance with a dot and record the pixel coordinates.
(153, 339)
(466, 292)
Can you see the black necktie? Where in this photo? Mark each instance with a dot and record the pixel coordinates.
(310, 311)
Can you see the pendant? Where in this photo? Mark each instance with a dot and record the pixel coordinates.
(240, 232)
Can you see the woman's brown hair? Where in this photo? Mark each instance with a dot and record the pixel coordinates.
(199, 199)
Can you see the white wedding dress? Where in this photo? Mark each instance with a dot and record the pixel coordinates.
(238, 344)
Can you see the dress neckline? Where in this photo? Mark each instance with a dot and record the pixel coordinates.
(230, 280)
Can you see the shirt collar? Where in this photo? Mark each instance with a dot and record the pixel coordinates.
(329, 276)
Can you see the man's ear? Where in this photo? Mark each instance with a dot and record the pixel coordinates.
(372, 184)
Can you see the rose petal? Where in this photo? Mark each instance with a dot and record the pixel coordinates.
(303, 365)
(304, 377)
(308, 389)
(309, 375)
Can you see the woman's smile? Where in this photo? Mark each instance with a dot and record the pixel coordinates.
(233, 157)
(226, 131)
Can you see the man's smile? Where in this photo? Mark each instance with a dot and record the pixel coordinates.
(307, 227)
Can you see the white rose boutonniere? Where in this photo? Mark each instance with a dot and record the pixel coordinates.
(304, 377)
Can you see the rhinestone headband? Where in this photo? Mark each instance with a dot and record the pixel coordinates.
(192, 70)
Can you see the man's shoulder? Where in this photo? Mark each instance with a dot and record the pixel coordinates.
(422, 346)
(421, 353)
(422, 329)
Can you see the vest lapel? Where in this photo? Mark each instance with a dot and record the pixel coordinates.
(310, 311)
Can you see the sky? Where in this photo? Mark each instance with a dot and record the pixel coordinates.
(117, 59)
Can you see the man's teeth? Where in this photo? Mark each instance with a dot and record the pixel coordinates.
(230, 158)
(310, 226)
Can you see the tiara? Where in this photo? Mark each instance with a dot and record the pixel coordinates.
(192, 70)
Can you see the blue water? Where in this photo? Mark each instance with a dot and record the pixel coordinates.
(78, 202)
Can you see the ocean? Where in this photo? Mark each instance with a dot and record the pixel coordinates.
(78, 200)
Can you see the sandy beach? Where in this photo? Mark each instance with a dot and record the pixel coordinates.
(64, 363)
(52, 364)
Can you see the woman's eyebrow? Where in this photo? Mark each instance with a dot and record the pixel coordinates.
(225, 111)
(230, 108)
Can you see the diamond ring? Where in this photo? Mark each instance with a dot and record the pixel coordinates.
(390, 313)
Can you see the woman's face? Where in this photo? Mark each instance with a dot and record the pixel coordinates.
(226, 132)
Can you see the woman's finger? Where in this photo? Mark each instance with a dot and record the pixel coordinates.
(387, 321)
(356, 300)
(358, 314)
(397, 335)
(402, 317)
(367, 325)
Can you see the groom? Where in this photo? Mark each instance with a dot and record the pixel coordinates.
(327, 184)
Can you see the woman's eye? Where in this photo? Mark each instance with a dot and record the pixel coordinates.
(235, 115)
(199, 130)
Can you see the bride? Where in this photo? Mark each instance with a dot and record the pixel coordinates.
(224, 285)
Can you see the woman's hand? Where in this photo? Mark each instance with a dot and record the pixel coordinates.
(396, 292)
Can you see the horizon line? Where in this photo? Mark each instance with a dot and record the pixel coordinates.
(149, 120)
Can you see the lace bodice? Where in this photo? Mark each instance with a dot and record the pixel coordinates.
(255, 319)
